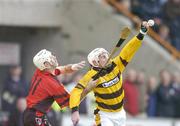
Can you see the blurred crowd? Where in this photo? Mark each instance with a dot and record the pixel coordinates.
(13, 100)
(152, 96)
(166, 14)
(144, 96)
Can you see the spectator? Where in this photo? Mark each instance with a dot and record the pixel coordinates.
(151, 97)
(164, 32)
(131, 93)
(171, 10)
(176, 86)
(16, 117)
(165, 96)
(171, 17)
(14, 87)
(150, 9)
(163, 2)
(175, 33)
(140, 81)
(126, 4)
(135, 5)
(176, 80)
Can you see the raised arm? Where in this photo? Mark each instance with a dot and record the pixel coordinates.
(130, 49)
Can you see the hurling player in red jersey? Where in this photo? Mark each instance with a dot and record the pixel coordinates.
(45, 88)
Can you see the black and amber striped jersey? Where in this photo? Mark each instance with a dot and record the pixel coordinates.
(109, 93)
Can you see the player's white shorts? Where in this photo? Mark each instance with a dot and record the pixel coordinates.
(111, 118)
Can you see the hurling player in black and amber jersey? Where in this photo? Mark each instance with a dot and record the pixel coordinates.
(108, 87)
(45, 88)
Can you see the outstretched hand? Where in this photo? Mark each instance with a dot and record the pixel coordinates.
(78, 66)
(91, 84)
(145, 26)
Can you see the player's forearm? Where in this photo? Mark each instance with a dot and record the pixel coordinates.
(66, 69)
(84, 93)
(71, 67)
(131, 48)
(89, 87)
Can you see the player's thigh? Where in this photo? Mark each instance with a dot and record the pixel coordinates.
(28, 118)
(105, 120)
(121, 119)
(120, 122)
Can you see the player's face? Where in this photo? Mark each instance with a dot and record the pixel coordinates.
(53, 61)
(103, 59)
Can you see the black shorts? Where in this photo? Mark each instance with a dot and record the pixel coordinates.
(30, 119)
